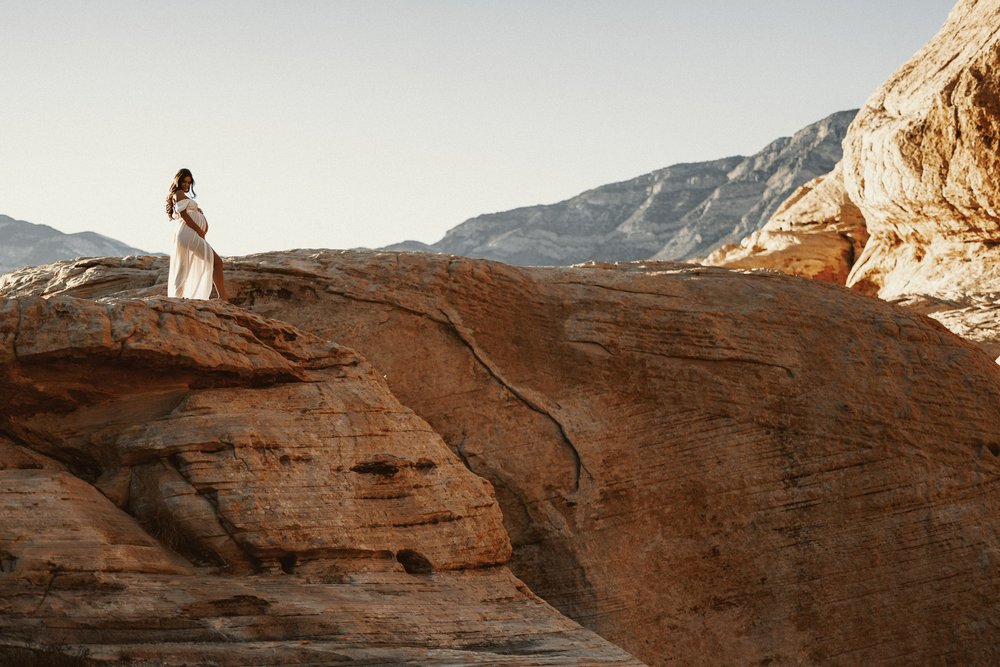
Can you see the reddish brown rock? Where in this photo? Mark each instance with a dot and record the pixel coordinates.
(703, 466)
(188, 482)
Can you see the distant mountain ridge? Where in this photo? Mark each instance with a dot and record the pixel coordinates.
(27, 244)
(677, 213)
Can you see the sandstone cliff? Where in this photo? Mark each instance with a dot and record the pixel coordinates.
(190, 483)
(921, 162)
(703, 466)
(679, 212)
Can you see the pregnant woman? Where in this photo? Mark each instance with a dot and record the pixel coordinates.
(195, 269)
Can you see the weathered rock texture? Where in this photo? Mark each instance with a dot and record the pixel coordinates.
(190, 483)
(816, 233)
(706, 467)
(921, 162)
(679, 212)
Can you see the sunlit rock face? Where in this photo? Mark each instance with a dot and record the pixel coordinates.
(701, 465)
(921, 162)
(191, 483)
(919, 175)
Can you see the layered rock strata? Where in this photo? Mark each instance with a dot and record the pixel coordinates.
(190, 483)
(704, 466)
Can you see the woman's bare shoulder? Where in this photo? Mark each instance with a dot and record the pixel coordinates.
(179, 196)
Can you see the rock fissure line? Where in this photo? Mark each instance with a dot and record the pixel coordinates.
(21, 442)
(691, 357)
(535, 405)
(384, 302)
(48, 589)
(618, 289)
(480, 357)
(591, 342)
(223, 522)
(17, 329)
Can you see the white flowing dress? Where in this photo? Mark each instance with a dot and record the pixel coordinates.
(192, 260)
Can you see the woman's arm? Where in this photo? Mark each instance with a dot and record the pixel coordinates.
(190, 223)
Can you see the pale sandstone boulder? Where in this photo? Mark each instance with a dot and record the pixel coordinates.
(816, 233)
(190, 483)
(704, 466)
(921, 161)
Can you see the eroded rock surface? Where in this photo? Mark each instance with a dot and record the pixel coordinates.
(704, 466)
(921, 162)
(191, 483)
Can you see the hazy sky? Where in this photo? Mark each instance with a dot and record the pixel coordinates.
(341, 124)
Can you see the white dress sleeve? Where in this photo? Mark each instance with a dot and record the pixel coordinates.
(180, 205)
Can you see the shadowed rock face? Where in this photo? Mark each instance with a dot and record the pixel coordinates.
(703, 466)
(188, 482)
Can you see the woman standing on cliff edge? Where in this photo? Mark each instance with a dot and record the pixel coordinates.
(195, 269)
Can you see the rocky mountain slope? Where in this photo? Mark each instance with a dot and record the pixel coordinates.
(676, 213)
(919, 175)
(702, 466)
(27, 244)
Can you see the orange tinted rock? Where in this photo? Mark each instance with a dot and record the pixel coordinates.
(692, 462)
(237, 466)
(704, 466)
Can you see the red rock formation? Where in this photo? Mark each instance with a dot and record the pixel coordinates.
(705, 467)
(187, 482)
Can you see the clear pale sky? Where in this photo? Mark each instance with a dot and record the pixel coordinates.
(341, 124)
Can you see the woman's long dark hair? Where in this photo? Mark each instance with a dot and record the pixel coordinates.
(175, 186)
